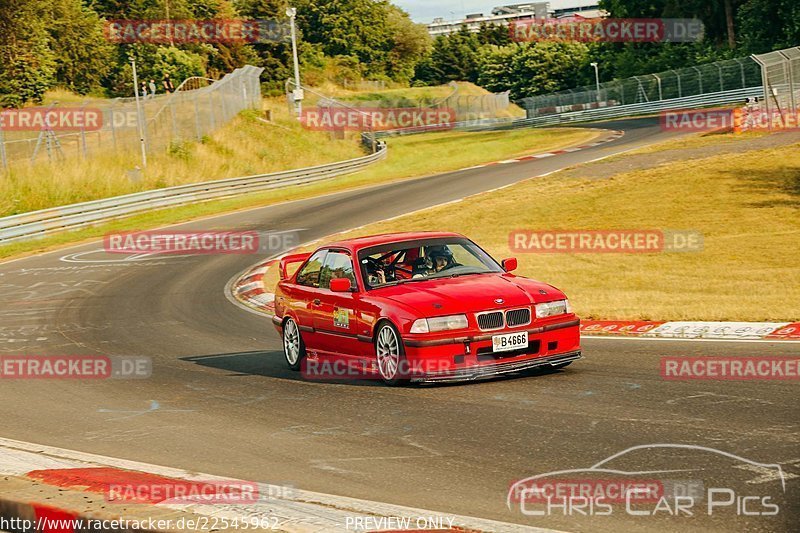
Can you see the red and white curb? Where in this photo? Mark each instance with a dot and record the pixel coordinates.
(285, 509)
(615, 134)
(643, 329)
(248, 289)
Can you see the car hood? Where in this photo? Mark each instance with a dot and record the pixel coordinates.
(469, 294)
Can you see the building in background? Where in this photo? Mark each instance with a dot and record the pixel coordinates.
(504, 15)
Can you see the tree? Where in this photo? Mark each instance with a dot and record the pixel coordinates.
(27, 64)
(454, 58)
(528, 69)
(356, 28)
(411, 43)
(783, 30)
(274, 56)
(82, 53)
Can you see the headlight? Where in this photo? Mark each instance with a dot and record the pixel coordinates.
(559, 307)
(439, 323)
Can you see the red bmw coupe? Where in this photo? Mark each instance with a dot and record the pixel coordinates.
(418, 307)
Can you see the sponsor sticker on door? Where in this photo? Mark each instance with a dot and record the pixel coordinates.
(341, 318)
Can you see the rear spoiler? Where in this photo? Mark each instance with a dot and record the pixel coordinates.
(288, 260)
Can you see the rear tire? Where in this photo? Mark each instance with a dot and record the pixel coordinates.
(390, 354)
(294, 349)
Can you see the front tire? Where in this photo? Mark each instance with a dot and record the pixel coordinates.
(294, 349)
(391, 355)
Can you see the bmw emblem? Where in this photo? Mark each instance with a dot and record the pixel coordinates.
(499, 301)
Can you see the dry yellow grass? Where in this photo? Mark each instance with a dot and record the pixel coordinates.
(698, 140)
(745, 205)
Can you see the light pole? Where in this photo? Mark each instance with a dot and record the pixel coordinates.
(297, 94)
(596, 79)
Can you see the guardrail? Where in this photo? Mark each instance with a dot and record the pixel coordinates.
(47, 221)
(648, 108)
(629, 110)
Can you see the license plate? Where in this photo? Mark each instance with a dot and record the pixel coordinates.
(508, 342)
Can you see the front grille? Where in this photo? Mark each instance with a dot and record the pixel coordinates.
(518, 317)
(492, 320)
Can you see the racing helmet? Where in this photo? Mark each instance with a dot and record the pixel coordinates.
(434, 252)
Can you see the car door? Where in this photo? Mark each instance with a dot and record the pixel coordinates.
(336, 316)
(303, 297)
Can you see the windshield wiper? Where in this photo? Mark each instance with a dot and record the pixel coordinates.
(459, 274)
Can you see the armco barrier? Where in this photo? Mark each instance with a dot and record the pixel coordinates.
(737, 96)
(40, 223)
(601, 113)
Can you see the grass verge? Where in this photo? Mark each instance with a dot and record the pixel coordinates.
(411, 156)
(746, 205)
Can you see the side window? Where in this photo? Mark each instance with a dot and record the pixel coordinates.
(309, 274)
(337, 265)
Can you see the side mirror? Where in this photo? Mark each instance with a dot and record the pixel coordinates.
(340, 285)
(510, 264)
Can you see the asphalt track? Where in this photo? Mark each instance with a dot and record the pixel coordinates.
(221, 401)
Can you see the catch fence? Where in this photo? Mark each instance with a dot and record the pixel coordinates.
(196, 108)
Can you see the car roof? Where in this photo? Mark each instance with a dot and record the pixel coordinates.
(360, 243)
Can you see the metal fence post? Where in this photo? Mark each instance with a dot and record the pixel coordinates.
(83, 131)
(112, 120)
(741, 68)
(680, 89)
(196, 119)
(699, 79)
(790, 79)
(3, 156)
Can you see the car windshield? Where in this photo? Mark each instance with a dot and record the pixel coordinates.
(422, 260)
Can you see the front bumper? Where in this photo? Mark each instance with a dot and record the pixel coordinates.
(497, 369)
(471, 356)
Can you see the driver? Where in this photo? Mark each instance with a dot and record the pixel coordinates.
(441, 258)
